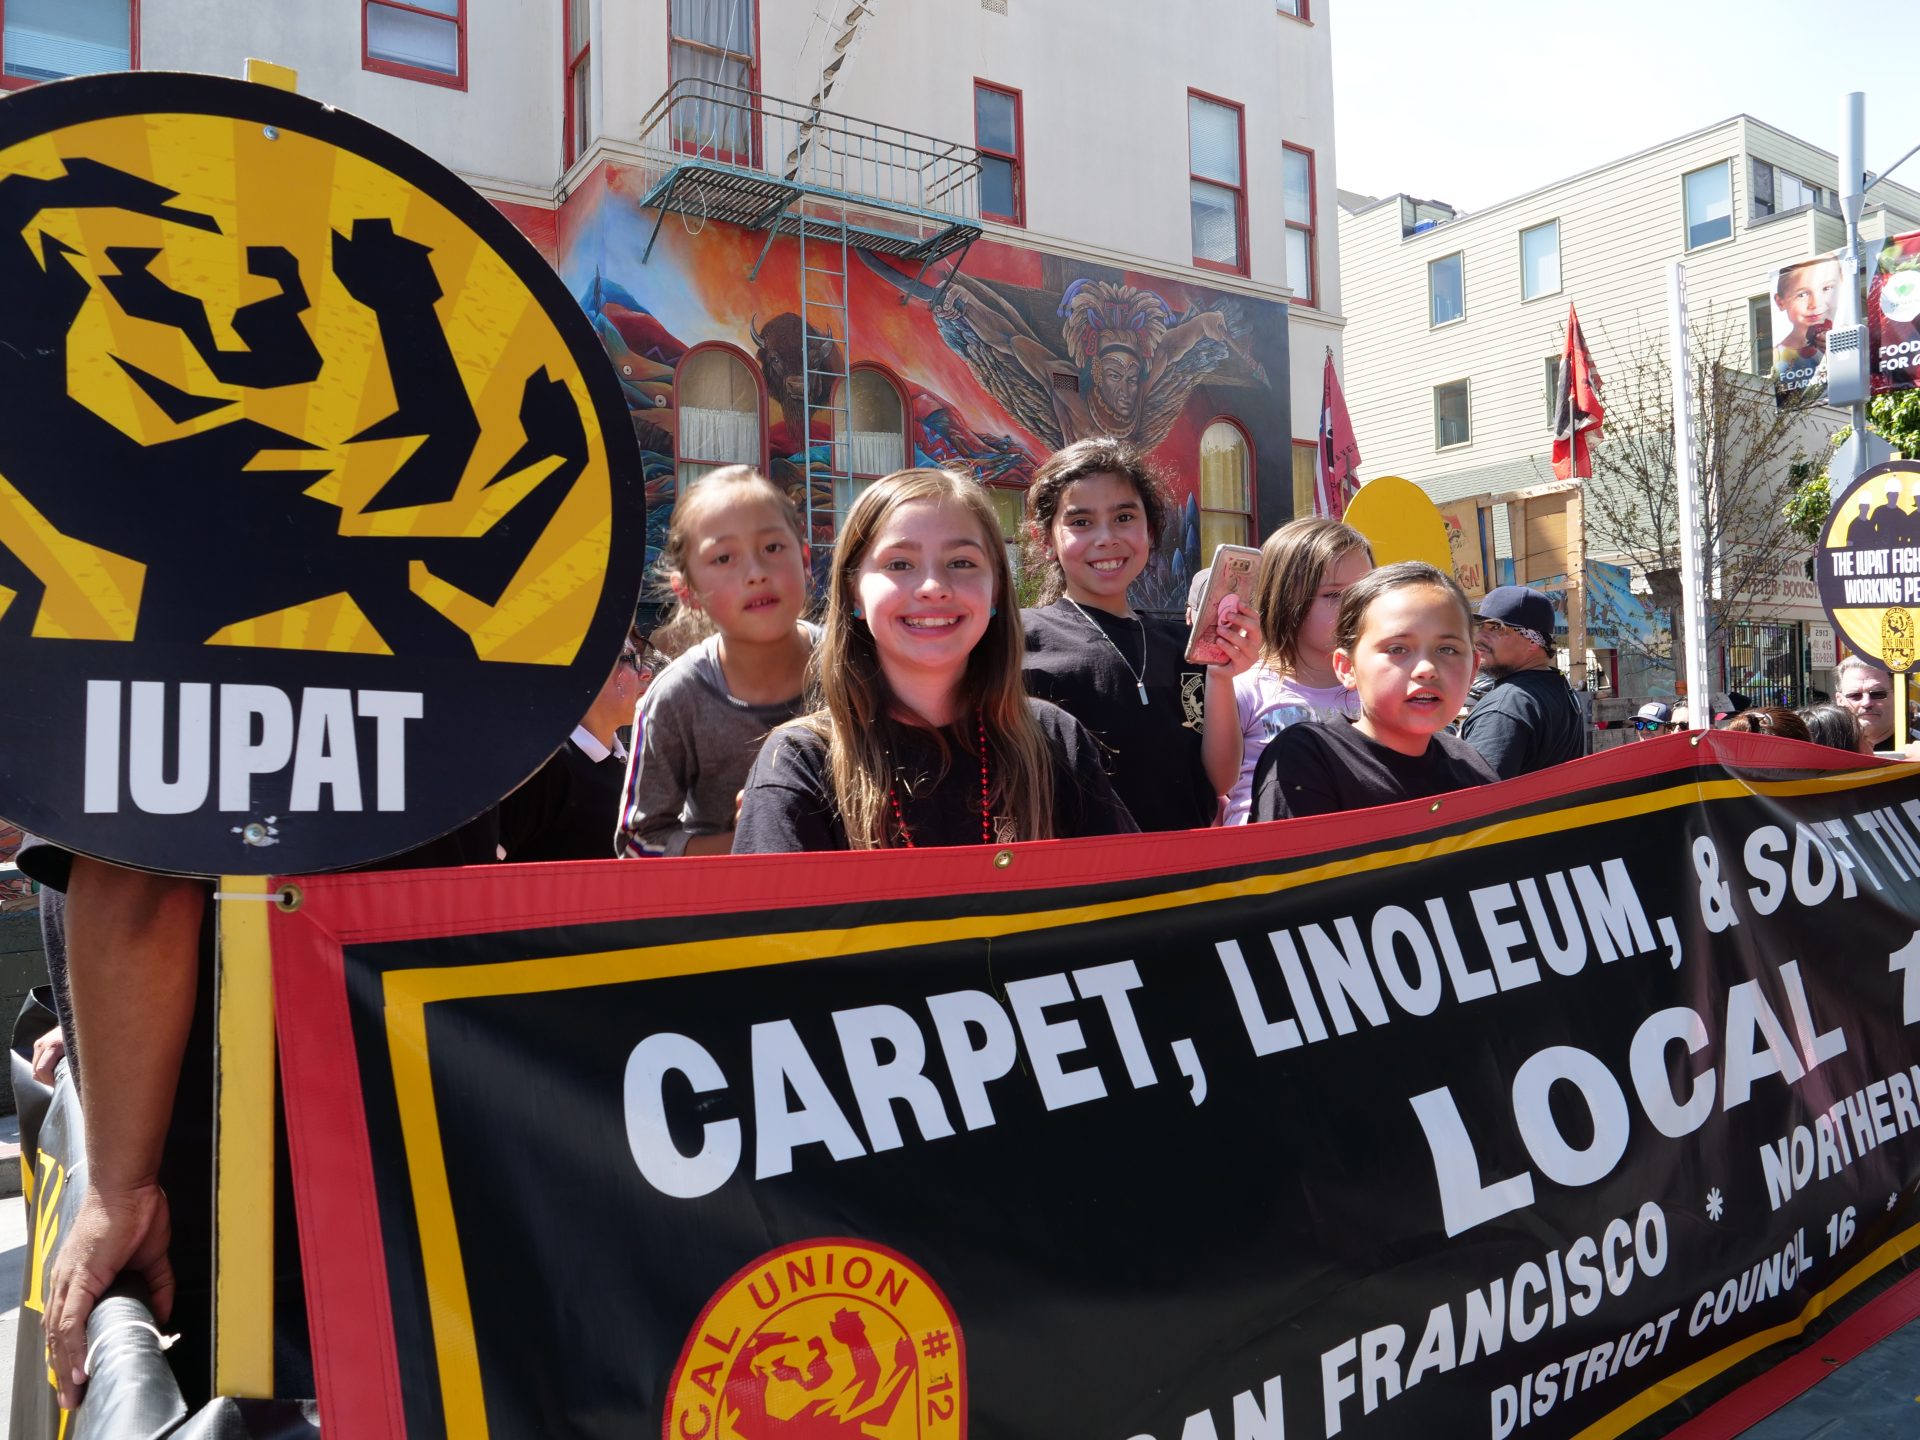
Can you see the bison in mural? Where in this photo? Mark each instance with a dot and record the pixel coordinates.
(778, 348)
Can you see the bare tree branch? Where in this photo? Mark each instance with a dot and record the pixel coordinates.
(1744, 445)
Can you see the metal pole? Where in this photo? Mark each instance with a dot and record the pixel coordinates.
(1693, 590)
(1854, 459)
(1848, 301)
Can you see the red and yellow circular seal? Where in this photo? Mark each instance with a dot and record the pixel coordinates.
(829, 1339)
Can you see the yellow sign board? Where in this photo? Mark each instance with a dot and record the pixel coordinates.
(1400, 522)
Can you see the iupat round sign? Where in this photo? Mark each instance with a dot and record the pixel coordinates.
(1868, 565)
(320, 517)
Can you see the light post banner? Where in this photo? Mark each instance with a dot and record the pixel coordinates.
(1803, 300)
(1893, 315)
(1531, 1110)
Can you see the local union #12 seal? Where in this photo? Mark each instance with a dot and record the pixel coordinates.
(823, 1340)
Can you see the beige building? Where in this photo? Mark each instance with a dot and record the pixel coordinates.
(1456, 322)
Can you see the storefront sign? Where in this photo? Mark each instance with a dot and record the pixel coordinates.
(1468, 541)
(1821, 652)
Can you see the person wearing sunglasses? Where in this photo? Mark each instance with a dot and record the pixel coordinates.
(1529, 719)
(1867, 691)
(1653, 719)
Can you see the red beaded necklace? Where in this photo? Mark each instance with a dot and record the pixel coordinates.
(986, 805)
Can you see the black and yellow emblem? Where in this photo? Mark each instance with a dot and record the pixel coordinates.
(1867, 565)
(320, 521)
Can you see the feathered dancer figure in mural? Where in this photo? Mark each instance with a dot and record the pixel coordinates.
(1129, 366)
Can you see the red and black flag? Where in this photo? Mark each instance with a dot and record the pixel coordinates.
(1577, 411)
(1335, 480)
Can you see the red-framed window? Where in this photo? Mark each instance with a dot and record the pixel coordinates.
(721, 412)
(52, 39)
(1299, 9)
(423, 40)
(717, 41)
(1303, 217)
(1217, 182)
(999, 134)
(576, 79)
(1226, 487)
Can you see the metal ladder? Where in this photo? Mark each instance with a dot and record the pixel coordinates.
(823, 242)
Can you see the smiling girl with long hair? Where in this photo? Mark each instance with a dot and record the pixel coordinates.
(923, 734)
(1096, 512)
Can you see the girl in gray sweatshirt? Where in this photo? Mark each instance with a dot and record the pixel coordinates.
(736, 564)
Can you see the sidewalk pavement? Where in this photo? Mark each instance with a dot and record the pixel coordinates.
(13, 1250)
(1870, 1398)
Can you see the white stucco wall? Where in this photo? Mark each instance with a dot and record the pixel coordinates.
(504, 126)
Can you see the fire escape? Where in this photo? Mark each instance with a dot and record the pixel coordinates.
(832, 182)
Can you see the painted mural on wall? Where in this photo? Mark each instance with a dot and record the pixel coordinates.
(997, 363)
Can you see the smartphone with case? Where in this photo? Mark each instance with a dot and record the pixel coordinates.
(1234, 567)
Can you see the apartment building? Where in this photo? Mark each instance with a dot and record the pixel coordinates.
(834, 237)
(1457, 320)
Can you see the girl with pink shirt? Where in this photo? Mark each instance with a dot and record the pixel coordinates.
(1305, 568)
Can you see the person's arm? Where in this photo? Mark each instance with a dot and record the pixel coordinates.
(999, 328)
(663, 774)
(47, 1053)
(133, 962)
(1223, 738)
(1223, 744)
(1499, 734)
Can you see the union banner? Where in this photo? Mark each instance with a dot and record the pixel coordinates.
(1547, 1109)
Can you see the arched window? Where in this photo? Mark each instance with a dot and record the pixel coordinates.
(1226, 488)
(719, 402)
(870, 433)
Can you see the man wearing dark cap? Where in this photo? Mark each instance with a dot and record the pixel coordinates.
(1654, 720)
(1529, 719)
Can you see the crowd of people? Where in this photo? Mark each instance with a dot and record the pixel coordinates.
(1859, 718)
(925, 708)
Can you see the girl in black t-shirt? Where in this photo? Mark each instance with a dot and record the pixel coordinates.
(923, 735)
(1404, 642)
(1095, 515)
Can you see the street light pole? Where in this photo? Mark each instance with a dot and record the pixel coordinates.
(1849, 356)
(1848, 307)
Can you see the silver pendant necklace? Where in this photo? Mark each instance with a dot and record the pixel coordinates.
(1140, 675)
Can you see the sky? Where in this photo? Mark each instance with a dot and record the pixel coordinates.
(1476, 102)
